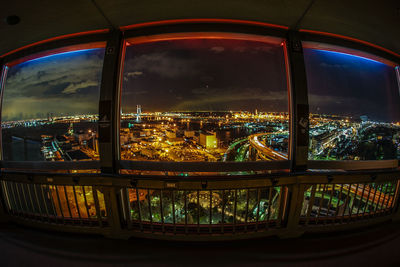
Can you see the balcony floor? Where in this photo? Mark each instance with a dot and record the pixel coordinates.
(367, 247)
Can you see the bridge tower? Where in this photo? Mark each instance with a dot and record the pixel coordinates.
(138, 113)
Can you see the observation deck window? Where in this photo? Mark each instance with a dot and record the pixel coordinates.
(204, 98)
(50, 105)
(354, 105)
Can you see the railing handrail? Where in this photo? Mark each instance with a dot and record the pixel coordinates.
(301, 177)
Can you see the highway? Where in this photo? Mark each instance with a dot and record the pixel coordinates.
(265, 152)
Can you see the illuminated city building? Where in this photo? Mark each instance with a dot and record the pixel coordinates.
(200, 129)
(209, 140)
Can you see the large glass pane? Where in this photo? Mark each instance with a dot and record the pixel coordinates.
(202, 99)
(50, 107)
(354, 106)
(230, 205)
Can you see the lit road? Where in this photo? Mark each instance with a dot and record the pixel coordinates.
(265, 152)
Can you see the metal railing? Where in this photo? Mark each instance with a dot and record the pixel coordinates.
(200, 208)
(59, 204)
(204, 211)
(343, 203)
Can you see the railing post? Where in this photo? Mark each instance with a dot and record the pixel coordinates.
(113, 213)
(295, 200)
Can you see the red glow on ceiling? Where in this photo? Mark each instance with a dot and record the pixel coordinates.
(351, 39)
(183, 21)
(193, 36)
(55, 39)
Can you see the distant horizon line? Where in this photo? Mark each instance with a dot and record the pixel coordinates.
(177, 112)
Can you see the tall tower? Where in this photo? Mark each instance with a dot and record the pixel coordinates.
(138, 112)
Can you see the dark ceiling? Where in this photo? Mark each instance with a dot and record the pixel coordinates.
(374, 21)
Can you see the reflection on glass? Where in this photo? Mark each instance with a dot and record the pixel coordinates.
(134, 204)
(253, 205)
(204, 204)
(71, 201)
(269, 203)
(179, 202)
(50, 107)
(155, 206)
(241, 206)
(204, 100)
(197, 207)
(216, 207)
(82, 206)
(347, 199)
(168, 206)
(229, 201)
(192, 207)
(354, 111)
(88, 192)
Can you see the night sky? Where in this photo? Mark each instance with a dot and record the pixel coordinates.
(201, 75)
(204, 75)
(352, 86)
(62, 84)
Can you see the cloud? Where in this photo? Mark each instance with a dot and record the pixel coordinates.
(35, 78)
(343, 105)
(55, 84)
(74, 87)
(217, 49)
(163, 64)
(217, 96)
(29, 107)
